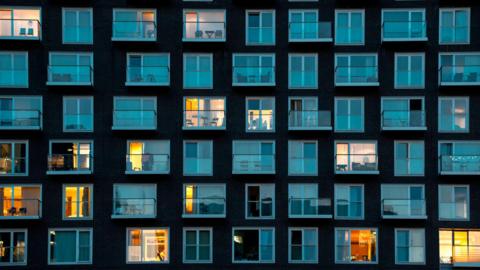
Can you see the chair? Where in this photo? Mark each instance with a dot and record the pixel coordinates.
(472, 77)
(458, 77)
(23, 211)
(22, 32)
(218, 34)
(198, 34)
(265, 78)
(12, 211)
(30, 32)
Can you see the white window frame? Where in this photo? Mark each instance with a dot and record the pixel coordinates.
(290, 149)
(142, 55)
(77, 231)
(195, 39)
(260, 12)
(454, 54)
(355, 84)
(403, 99)
(302, 230)
(260, 99)
(409, 235)
(453, 101)
(197, 231)
(260, 187)
(259, 230)
(302, 56)
(199, 127)
(259, 144)
(90, 202)
(224, 186)
(350, 11)
(142, 245)
(77, 10)
(349, 100)
(27, 158)
(136, 10)
(350, 229)
(40, 198)
(409, 143)
(141, 99)
(409, 56)
(260, 56)
(30, 8)
(78, 98)
(453, 143)
(12, 68)
(199, 72)
(349, 186)
(452, 187)
(410, 11)
(197, 142)
(350, 142)
(10, 245)
(407, 187)
(73, 141)
(440, 24)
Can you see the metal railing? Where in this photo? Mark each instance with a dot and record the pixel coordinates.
(135, 119)
(207, 119)
(15, 165)
(70, 74)
(253, 163)
(403, 208)
(78, 121)
(155, 75)
(260, 121)
(204, 30)
(308, 30)
(70, 162)
(20, 119)
(404, 30)
(356, 75)
(134, 30)
(356, 163)
(204, 206)
(460, 164)
(459, 74)
(134, 206)
(21, 208)
(309, 119)
(403, 119)
(148, 163)
(20, 29)
(309, 207)
(251, 75)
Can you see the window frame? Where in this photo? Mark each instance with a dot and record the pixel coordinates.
(302, 230)
(453, 143)
(12, 231)
(349, 58)
(454, 10)
(259, 56)
(141, 99)
(410, 230)
(349, 217)
(141, 229)
(261, 13)
(197, 142)
(260, 186)
(396, 70)
(259, 229)
(259, 144)
(407, 187)
(349, 11)
(90, 202)
(92, 113)
(290, 149)
(199, 127)
(77, 10)
(77, 142)
(136, 10)
(200, 216)
(453, 186)
(454, 55)
(40, 21)
(410, 11)
(196, 11)
(403, 99)
(349, 99)
(197, 231)
(142, 55)
(408, 142)
(40, 200)
(77, 231)
(197, 60)
(26, 158)
(135, 216)
(261, 100)
(144, 141)
(302, 56)
(453, 101)
(11, 54)
(349, 142)
(350, 229)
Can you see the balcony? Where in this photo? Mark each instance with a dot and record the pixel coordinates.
(356, 164)
(253, 76)
(356, 76)
(459, 165)
(134, 120)
(21, 209)
(403, 209)
(403, 120)
(253, 164)
(134, 31)
(204, 31)
(310, 32)
(134, 208)
(147, 164)
(20, 29)
(15, 78)
(309, 120)
(204, 120)
(20, 119)
(148, 76)
(204, 208)
(309, 208)
(70, 164)
(459, 75)
(467, 256)
(394, 31)
(70, 75)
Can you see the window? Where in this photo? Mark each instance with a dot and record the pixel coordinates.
(20, 23)
(134, 25)
(197, 245)
(70, 157)
(304, 26)
(260, 201)
(453, 202)
(13, 68)
(20, 112)
(148, 69)
(134, 113)
(454, 26)
(14, 158)
(260, 114)
(459, 247)
(70, 246)
(303, 245)
(77, 201)
(260, 27)
(302, 158)
(459, 157)
(404, 25)
(302, 71)
(134, 201)
(356, 157)
(403, 201)
(253, 70)
(70, 68)
(13, 244)
(348, 201)
(204, 25)
(20, 201)
(349, 114)
(453, 114)
(304, 202)
(409, 246)
(77, 25)
(356, 70)
(403, 113)
(77, 114)
(148, 157)
(409, 158)
(198, 71)
(355, 245)
(148, 245)
(303, 114)
(204, 200)
(253, 245)
(204, 113)
(198, 158)
(253, 157)
(409, 70)
(459, 69)
(349, 27)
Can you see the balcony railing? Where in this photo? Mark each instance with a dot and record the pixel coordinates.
(12, 166)
(462, 255)
(356, 163)
(349, 34)
(134, 31)
(348, 209)
(309, 207)
(13, 77)
(260, 35)
(77, 209)
(204, 31)
(197, 166)
(403, 119)
(302, 165)
(78, 121)
(459, 75)
(404, 30)
(204, 119)
(23, 29)
(20, 119)
(70, 163)
(409, 78)
(403, 208)
(253, 76)
(204, 207)
(134, 120)
(134, 207)
(460, 164)
(197, 78)
(253, 164)
(409, 166)
(356, 76)
(148, 75)
(70, 75)
(310, 31)
(309, 120)
(20, 208)
(454, 34)
(149, 164)
(260, 121)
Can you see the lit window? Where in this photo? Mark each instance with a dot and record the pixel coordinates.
(459, 247)
(20, 201)
(148, 245)
(77, 201)
(355, 245)
(14, 158)
(13, 247)
(260, 114)
(20, 23)
(204, 25)
(70, 157)
(204, 200)
(356, 157)
(453, 114)
(204, 113)
(148, 157)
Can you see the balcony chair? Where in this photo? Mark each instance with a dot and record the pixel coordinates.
(218, 34)
(198, 34)
(12, 211)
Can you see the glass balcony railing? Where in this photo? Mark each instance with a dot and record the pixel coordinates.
(77, 34)
(13, 165)
(70, 163)
(409, 78)
(404, 30)
(20, 119)
(70, 75)
(310, 31)
(134, 207)
(24, 29)
(147, 163)
(253, 76)
(454, 34)
(253, 164)
(403, 208)
(348, 209)
(197, 78)
(204, 119)
(20, 208)
(134, 119)
(459, 75)
(197, 166)
(148, 75)
(356, 75)
(204, 31)
(453, 210)
(403, 119)
(302, 165)
(460, 164)
(409, 166)
(78, 121)
(462, 255)
(204, 207)
(13, 77)
(302, 78)
(356, 163)
(260, 35)
(309, 207)
(316, 120)
(349, 35)
(260, 121)
(134, 31)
